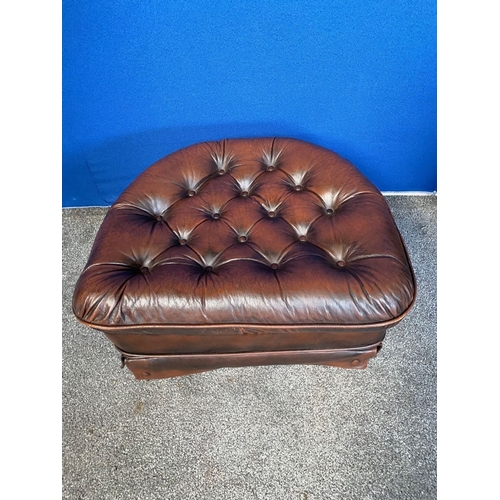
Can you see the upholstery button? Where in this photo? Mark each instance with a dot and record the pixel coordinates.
(244, 193)
(298, 187)
(242, 239)
(270, 168)
(182, 241)
(191, 192)
(340, 263)
(271, 213)
(303, 237)
(329, 211)
(208, 268)
(159, 218)
(216, 215)
(274, 266)
(221, 171)
(144, 270)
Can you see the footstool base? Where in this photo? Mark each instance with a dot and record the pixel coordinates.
(165, 366)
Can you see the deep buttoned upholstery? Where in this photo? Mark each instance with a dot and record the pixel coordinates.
(232, 238)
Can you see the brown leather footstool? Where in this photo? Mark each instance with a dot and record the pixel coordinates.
(246, 252)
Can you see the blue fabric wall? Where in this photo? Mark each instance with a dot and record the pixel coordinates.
(142, 78)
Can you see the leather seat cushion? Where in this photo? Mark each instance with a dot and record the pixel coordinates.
(223, 239)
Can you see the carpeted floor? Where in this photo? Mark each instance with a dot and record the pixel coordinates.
(273, 432)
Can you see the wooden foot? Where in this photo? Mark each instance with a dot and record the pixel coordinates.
(158, 366)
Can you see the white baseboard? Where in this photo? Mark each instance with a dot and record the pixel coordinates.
(409, 193)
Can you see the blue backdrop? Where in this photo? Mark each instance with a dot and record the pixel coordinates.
(142, 78)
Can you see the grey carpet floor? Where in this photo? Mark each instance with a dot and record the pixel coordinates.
(273, 432)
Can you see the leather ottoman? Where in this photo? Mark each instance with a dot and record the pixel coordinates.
(246, 252)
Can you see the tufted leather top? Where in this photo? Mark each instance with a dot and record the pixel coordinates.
(270, 231)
